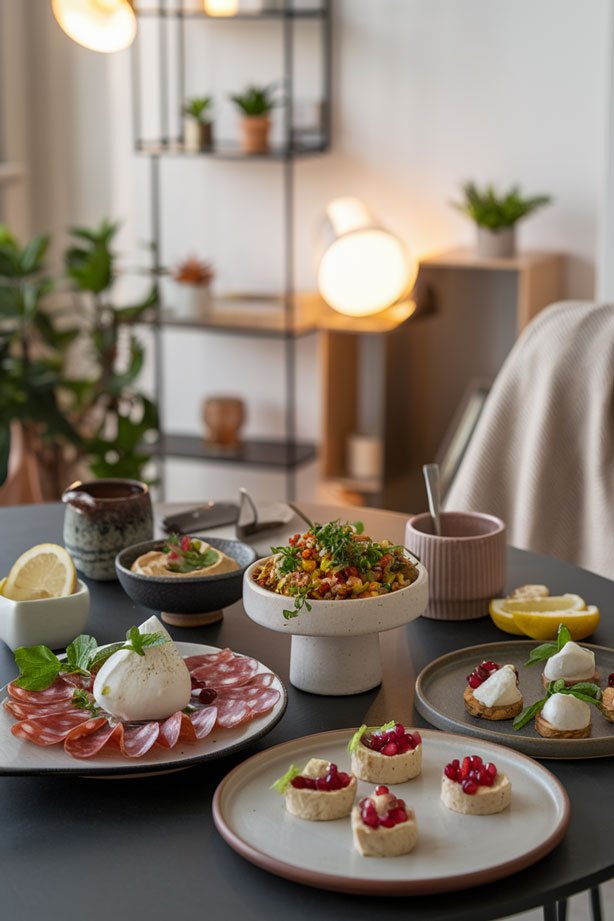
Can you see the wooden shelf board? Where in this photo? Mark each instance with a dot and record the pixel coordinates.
(231, 150)
(371, 486)
(466, 259)
(384, 322)
(276, 455)
(158, 11)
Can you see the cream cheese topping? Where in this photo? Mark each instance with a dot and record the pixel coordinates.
(573, 662)
(500, 690)
(565, 712)
(147, 687)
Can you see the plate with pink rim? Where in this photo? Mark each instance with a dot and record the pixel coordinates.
(453, 851)
(18, 756)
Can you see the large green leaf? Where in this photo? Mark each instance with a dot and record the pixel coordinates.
(131, 313)
(118, 383)
(33, 253)
(9, 301)
(91, 269)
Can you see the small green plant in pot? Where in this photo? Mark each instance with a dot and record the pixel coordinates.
(255, 106)
(197, 124)
(496, 216)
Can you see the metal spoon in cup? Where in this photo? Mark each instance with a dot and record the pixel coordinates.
(433, 492)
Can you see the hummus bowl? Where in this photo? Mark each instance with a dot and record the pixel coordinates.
(186, 600)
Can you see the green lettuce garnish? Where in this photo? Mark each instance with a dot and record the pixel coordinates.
(355, 740)
(282, 782)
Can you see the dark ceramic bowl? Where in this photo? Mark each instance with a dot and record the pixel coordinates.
(190, 601)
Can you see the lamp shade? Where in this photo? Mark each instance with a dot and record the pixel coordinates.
(366, 268)
(100, 25)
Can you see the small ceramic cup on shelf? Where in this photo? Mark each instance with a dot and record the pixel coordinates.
(101, 518)
(466, 565)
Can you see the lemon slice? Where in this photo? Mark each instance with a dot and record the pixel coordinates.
(503, 610)
(543, 625)
(44, 571)
(2, 584)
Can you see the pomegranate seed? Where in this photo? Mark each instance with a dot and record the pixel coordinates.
(398, 815)
(185, 543)
(310, 783)
(344, 778)
(381, 790)
(298, 782)
(466, 766)
(450, 771)
(476, 761)
(417, 738)
(611, 680)
(485, 780)
(391, 748)
(403, 744)
(470, 787)
(456, 763)
(387, 821)
(482, 672)
(474, 682)
(371, 820)
(399, 729)
(491, 666)
(377, 742)
(332, 768)
(334, 783)
(321, 783)
(492, 769)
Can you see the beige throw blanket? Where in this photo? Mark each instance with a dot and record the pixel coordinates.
(542, 454)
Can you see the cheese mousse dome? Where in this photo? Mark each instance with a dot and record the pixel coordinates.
(151, 686)
(189, 557)
(498, 697)
(563, 716)
(573, 663)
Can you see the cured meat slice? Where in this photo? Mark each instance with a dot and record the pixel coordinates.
(88, 739)
(262, 679)
(232, 712)
(227, 674)
(136, 740)
(265, 701)
(23, 711)
(210, 658)
(203, 721)
(170, 729)
(59, 690)
(50, 730)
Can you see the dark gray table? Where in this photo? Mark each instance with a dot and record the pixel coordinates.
(147, 850)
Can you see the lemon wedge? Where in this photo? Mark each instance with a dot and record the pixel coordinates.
(2, 584)
(503, 611)
(44, 571)
(543, 625)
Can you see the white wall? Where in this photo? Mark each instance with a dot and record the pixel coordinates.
(426, 94)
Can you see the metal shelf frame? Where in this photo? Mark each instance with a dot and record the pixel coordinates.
(284, 157)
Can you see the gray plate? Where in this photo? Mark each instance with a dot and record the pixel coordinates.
(439, 699)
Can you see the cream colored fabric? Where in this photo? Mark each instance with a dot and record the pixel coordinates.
(542, 455)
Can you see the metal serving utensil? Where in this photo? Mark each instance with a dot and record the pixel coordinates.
(433, 492)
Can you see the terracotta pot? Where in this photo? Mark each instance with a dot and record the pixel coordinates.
(223, 418)
(255, 133)
(496, 244)
(197, 136)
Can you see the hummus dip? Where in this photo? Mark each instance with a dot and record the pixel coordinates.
(156, 563)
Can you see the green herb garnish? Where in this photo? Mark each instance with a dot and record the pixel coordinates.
(184, 554)
(301, 593)
(83, 701)
(356, 738)
(546, 650)
(282, 782)
(140, 641)
(585, 690)
(38, 667)
(80, 652)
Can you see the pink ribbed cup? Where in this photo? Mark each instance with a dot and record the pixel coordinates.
(466, 565)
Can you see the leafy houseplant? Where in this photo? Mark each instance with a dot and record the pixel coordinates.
(192, 294)
(255, 105)
(496, 216)
(33, 349)
(112, 415)
(197, 126)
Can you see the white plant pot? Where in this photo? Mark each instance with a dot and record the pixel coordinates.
(496, 244)
(191, 302)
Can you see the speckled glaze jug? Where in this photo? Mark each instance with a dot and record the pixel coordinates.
(101, 518)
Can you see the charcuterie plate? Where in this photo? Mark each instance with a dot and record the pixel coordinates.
(453, 851)
(439, 699)
(18, 756)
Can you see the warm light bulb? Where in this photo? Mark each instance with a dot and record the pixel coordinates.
(221, 7)
(364, 272)
(100, 25)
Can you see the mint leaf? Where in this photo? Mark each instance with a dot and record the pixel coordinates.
(140, 641)
(585, 690)
(282, 782)
(38, 667)
(563, 636)
(103, 654)
(83, 701)
(80, 652)
(528, 713)
(541, 653)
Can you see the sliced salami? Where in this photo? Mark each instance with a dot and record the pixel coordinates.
(210, 658)
(90, 738)
(59, 690)
(24, 711)
(203, 721)
(233, 712)
(227, 674)
(136, 740)
(50, 730)
(262, 679)
(264, 702)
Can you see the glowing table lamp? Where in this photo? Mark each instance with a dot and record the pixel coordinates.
(366, 268)
(221, 7)
(100, 25)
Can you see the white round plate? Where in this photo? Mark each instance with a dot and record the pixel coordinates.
(453, 851)
(18, 756)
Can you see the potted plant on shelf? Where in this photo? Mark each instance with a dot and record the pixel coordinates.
(496, 217)
(255, 105)
(197, 125)
(192, 290)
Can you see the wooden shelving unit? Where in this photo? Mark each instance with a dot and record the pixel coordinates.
(540, 276)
